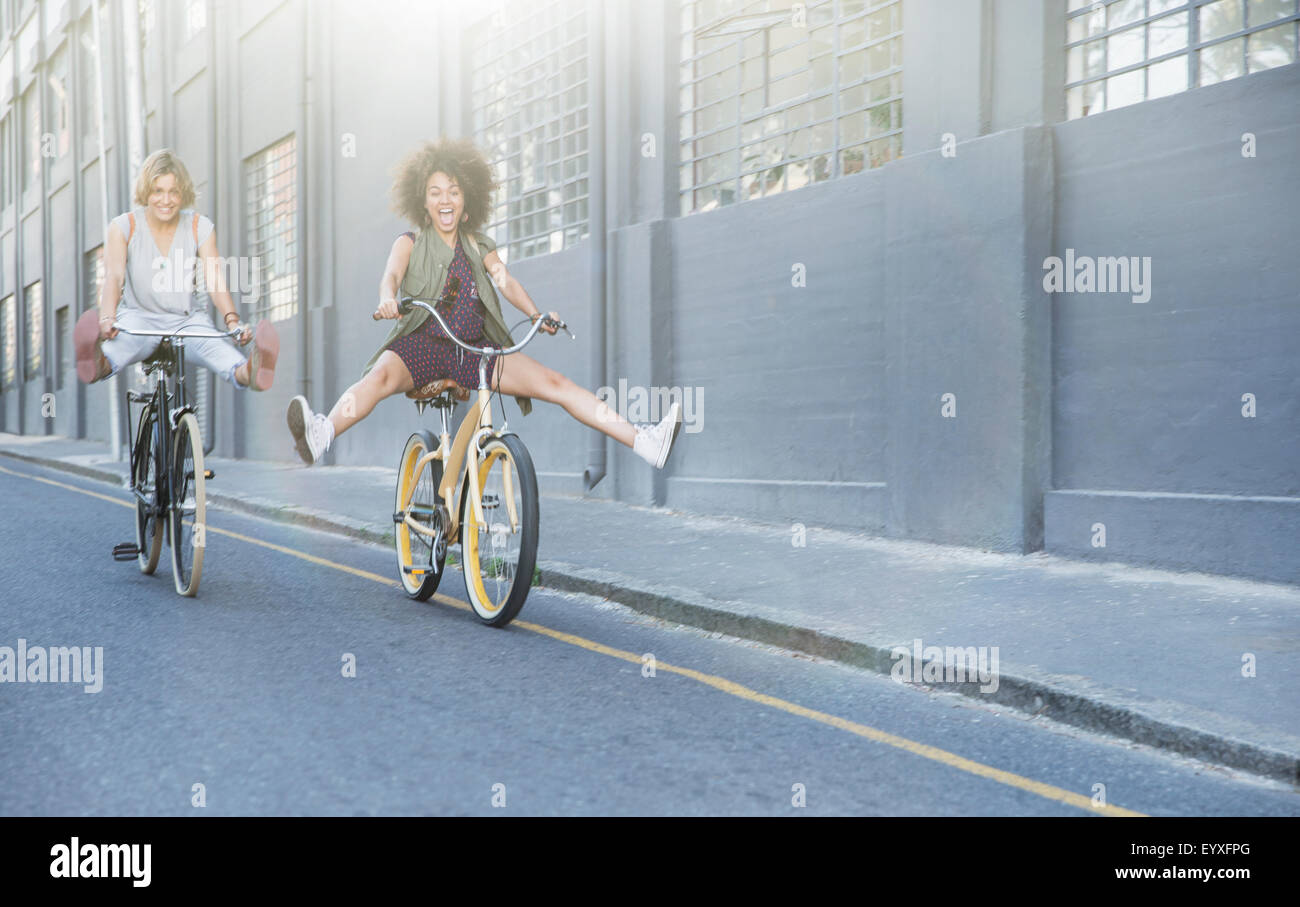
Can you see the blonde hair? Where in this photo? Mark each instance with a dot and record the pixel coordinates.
(157, 165)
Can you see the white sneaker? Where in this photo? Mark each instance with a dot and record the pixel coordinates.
(653, 443)
(312, 432)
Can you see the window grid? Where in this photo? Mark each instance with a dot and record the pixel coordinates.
(8, 342)
(272, 212)
(529, 108)
(31, 106)
(1125, 51)
(62, 332)
(58, 116)
(34, 309)
(784, 105)
(196, 17)
(6, 159)
(93, 275)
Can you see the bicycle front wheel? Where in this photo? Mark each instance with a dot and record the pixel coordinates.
(148, 524)
(188, 506)
(499, 558)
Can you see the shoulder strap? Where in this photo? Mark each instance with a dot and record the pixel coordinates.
(196, 228)
(130, 216)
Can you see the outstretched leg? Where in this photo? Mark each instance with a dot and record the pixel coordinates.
(388, 377)
(521, 375)
(313, 433)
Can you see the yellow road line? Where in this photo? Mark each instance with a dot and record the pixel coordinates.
(933, 753)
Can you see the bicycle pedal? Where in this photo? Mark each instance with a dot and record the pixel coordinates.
(209, 474)
(127, 551)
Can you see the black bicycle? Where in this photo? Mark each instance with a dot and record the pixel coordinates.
(167, 473)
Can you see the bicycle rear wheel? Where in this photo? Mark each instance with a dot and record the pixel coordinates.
(188, 506)
(148, 525)
(499, 561)
(420, 558)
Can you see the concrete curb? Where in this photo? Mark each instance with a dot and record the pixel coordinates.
(1073, 701)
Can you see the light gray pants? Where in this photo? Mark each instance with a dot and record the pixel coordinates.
(218, 355)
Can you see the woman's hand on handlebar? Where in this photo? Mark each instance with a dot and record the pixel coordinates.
(234, 322)
(548, 321)
(106, 329)
(387, 309)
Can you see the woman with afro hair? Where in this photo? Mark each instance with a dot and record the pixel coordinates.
(445, 190)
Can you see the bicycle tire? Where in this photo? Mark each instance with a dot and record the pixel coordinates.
(148, 526)
(188, 481)
(497, 594)
(414, 552)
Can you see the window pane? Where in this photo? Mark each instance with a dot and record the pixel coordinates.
(1122, 12)
(1271, 47)
(1167, 78)
(1124, 49)
(1222, 61)
(1221, 18)
(1087, 60)
(1086, 25)
(1164, 36)
(1124, 90)
(1262, 12)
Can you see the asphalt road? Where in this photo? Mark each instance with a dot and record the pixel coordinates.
(242, 690)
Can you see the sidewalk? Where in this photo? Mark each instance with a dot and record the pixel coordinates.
(1148, 655)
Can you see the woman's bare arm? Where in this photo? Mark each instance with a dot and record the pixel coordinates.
(394, 271)
(110, 294)
(214, 279)
(512, 289)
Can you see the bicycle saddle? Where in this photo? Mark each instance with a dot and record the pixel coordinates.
(162, 357)
(437, 388)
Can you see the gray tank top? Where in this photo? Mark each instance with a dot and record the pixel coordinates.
(167, 281)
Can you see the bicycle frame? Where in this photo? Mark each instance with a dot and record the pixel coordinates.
(169, 400)
(463, 452)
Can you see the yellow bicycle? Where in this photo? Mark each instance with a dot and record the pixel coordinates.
(479, 490)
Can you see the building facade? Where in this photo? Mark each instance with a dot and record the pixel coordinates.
(1014, 274)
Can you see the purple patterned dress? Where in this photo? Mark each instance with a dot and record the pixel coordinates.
(429, 354)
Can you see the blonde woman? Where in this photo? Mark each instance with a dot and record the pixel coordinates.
(152, 258)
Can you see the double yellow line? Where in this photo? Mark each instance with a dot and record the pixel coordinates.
(1046, 791)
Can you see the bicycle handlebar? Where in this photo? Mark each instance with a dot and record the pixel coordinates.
(215, 336)
(407, 301)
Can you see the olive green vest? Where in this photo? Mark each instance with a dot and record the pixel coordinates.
(425, 275)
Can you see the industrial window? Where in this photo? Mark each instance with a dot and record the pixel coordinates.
(148, 21)
(94, 275)
(777, 95)
(1126, 51)
(32, 139)
(62, 358)
(34, 309)
(272, 215)
(530, 115)
(196, 17)
(8, 342)
(58, 114)
(6, 163)
(88, 69)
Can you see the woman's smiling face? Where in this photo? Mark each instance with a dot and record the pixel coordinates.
(443, 202)
(165, 198)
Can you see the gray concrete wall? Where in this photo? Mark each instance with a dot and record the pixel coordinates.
(1148, 396)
